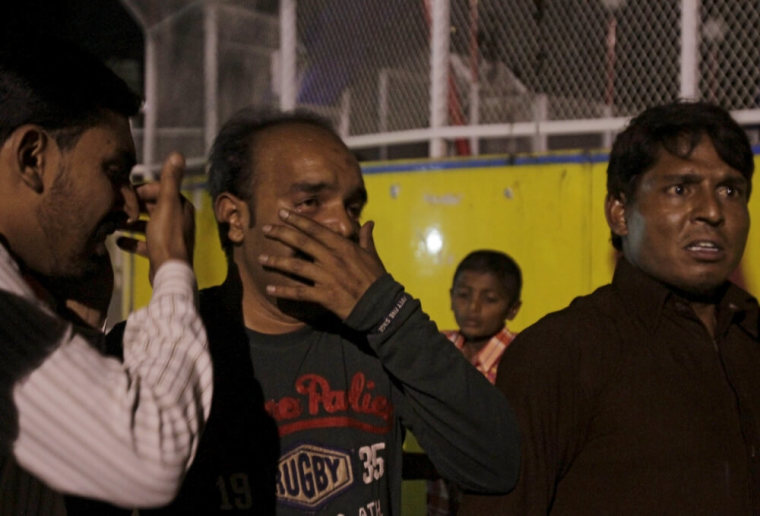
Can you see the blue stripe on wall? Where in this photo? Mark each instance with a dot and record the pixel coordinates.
(501, 161)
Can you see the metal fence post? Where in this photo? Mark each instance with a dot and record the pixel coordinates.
(288, 40)
(689, 49)
(210, 73)
(439, 73)
(541, 112)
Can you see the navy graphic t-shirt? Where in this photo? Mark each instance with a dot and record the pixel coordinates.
(332, 403)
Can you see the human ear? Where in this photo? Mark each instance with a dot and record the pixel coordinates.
(614, 211)
(512, 313)
(232, 211)
(30, 143)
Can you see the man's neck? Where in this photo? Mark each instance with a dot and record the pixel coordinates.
(262, 314)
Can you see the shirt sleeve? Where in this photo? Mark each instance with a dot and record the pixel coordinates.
(461, 421)
(91, 425)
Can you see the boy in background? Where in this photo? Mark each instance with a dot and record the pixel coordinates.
(485, 294)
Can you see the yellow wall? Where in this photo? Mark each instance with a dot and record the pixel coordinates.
(541, 216)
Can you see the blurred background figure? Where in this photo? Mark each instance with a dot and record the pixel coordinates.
(485, 294)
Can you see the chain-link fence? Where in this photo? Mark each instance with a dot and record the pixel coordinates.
(531, 61)
(205, 59)
(516, 74)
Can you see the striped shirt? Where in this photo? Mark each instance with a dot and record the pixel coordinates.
(487, 359)
(91, 425)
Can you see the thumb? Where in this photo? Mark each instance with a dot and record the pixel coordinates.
(366, 239)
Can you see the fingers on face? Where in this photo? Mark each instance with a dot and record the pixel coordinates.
(132, 245)
(294, 266)
(295, 238)
(312, 228)
(306, 235)
(366, 239)
(303, 235)
(137, 226)
(299, 268)
(295, 293)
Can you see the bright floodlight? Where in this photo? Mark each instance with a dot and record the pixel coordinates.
(433, 241)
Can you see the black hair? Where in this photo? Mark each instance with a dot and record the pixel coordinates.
(56, 85)
(677, 128)
(497, 263)
(233, 155)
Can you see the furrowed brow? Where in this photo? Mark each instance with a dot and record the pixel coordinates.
(686, 177)
(737, 181)
(308, 187)
(734, 177)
